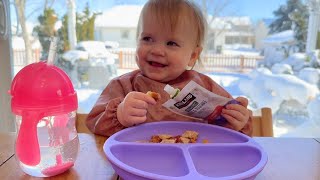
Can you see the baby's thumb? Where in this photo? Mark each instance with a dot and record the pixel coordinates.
(243, 101)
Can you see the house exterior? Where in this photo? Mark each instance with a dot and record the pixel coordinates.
(230, 32)
(119, 24)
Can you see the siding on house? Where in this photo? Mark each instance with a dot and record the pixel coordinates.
(224, 31)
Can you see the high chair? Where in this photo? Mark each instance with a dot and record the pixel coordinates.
(81, 123)
(262, 124)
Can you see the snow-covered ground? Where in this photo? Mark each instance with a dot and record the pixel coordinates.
(288, 83)
(291, 118)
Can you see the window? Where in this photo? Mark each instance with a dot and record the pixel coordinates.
(125, 34)
(235, 44)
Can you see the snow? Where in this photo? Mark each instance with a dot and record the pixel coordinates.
(310, 75)
(281, 69)
(264, 89)
(115, 17)
(280, 38)
(18, 43)
(296, 60)
(290, 86)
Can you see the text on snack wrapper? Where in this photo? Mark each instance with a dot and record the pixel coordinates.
(185, 101)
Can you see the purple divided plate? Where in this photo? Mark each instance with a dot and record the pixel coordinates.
(228, 155)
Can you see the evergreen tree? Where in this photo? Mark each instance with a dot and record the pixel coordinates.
(84, 27)
(46, 29)
(300, 28)
(63, 34)
(85, 24)
(292, 16)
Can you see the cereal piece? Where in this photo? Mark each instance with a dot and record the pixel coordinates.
(154, 95)
(172, 141)
(191, 135)
(165, 136)
(205, 141)
(183, 140)
(155, 139)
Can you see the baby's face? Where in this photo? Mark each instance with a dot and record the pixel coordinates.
(163, 55)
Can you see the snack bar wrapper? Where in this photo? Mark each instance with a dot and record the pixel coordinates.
(195, 101)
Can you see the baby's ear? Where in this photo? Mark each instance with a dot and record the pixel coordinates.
(195, 56)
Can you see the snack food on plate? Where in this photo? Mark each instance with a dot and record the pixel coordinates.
(154, 95)
(185, 138)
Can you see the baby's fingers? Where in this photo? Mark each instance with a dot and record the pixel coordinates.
(138, 112)
(235, 123)
(135, 120)
(243, 101)
(139, 104)
(144, 97)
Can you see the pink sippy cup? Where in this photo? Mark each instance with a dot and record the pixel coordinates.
(45, 103)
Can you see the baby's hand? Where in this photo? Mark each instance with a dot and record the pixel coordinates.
(133, 109)
(237, 114)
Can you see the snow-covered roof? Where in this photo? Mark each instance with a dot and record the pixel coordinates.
(284, 37)
(228, 22)
(18, 43)
(238, 21)
(126, 16)
(218, 23)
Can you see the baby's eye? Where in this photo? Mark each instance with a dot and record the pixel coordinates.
(172, 43)
(147, 39)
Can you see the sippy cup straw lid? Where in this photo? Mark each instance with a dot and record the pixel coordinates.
(43, 88)
(39, 90)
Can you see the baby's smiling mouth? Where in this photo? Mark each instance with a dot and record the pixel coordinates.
(156, 64)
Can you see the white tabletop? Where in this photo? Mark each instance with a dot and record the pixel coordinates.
(290, 159)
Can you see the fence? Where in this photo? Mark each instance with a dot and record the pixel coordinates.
(210, 62)
(231, 62)
(19, 57)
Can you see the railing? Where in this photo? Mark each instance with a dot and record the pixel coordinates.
(210, 62)
(127, 59)
(231, 62)
(19, 57)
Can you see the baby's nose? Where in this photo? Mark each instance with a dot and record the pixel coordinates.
(158, 49)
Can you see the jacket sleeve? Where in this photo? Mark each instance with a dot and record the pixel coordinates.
(102, 119)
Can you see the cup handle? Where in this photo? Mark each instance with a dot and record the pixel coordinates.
(27, 144)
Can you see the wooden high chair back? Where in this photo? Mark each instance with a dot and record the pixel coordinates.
(262, 124)
(81, 123)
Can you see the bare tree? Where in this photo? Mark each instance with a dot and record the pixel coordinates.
(213, 9)
(20, 5)
(72, 23)
(22, 16)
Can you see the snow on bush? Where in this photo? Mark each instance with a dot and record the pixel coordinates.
(271, 56)
(281, 69)
(310, 75)
(314, 58)
(267, 89)
(313, 110)
(297, 61)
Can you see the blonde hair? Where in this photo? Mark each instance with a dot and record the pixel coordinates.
(169, 13)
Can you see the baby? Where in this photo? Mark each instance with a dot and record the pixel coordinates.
(170, 38)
